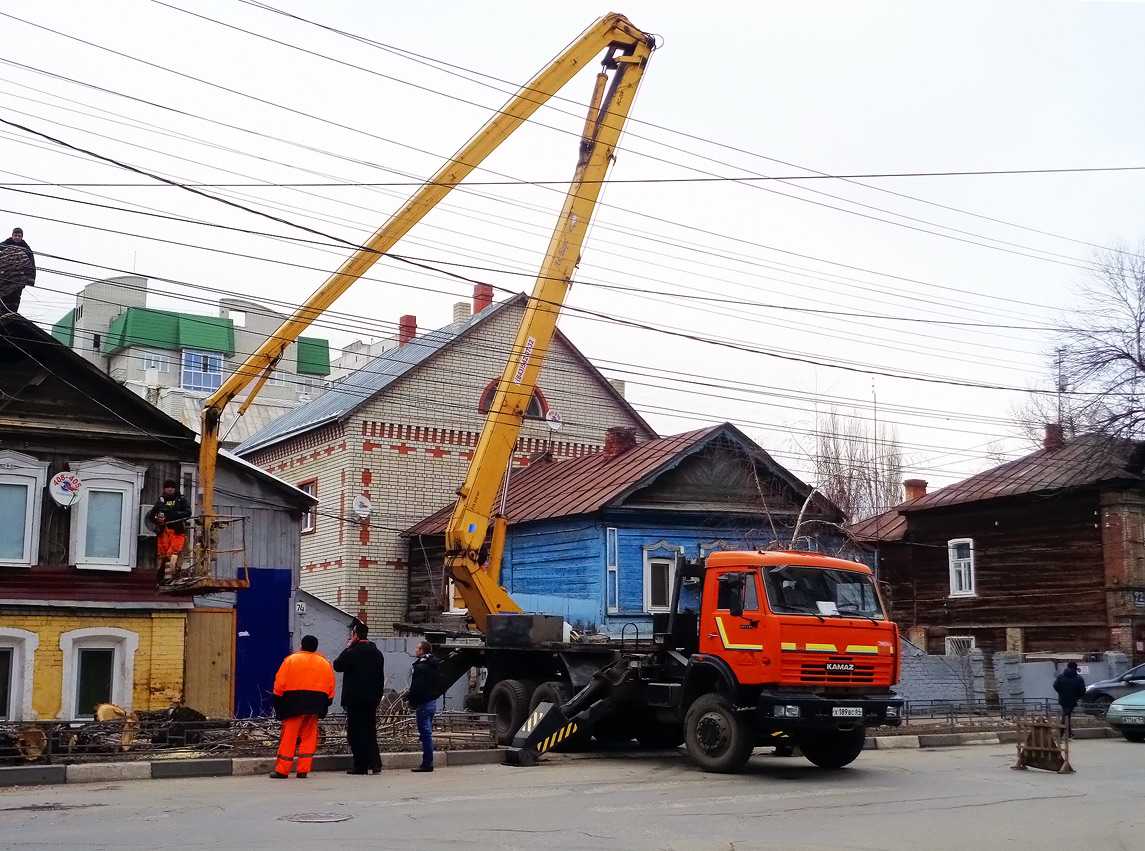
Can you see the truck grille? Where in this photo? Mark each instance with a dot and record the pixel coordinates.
(832, 670)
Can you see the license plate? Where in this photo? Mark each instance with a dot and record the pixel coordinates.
(1133, 719)
(847, 712)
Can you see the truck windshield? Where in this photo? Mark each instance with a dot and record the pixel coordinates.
(794, 589)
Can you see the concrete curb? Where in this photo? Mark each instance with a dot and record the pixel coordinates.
(103, 772)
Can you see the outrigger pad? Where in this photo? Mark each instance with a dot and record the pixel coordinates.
(545, 727)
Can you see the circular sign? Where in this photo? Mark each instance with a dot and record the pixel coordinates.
(362, 506)
(555, 420)
(66, 488)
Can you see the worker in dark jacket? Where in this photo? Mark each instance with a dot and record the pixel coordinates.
(1070, 687)
(363, 670)
(303, 691)
(168, 514)
(423, 691)
(17, 270)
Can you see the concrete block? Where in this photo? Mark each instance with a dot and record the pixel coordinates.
(32, 775)
(1007, 737)
(886, 743)
(978, 738)
(250, 765)
(402, 760)
(332, 762)
(938, 740)
(485, 757)
(869, 743)
(191, 768)
(99, 772)
(1095, 733)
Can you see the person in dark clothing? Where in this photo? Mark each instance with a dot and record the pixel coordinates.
(17, 270)
(1070, 687)
(168, 514)
(363, 671)
(423, 691)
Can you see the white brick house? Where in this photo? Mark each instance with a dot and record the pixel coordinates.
(400, 431)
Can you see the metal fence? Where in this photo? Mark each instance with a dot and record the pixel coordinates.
(978, 712)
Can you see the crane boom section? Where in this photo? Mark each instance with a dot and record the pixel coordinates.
(611, 30)
(465, 535)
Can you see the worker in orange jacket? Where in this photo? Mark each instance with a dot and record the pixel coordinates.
(303, 690)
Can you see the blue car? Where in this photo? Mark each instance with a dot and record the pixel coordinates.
(1100, 695)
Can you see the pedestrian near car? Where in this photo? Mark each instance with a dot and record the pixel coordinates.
(363, 670)
(169, 514)
(422, 697)
(1070, 687)
(303, 691)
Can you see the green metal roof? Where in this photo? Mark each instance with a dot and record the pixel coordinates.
(313, 356)
(65, 329)
(165, 329)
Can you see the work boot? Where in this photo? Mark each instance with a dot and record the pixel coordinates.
(274, 775)
(423, 768)
(302, 775)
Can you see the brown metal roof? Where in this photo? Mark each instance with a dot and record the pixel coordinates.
(547, 489)
(1085, 461)
(60, 585)
(888, 526)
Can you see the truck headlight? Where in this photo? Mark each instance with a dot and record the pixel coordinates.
(892, 712)
(785, 711)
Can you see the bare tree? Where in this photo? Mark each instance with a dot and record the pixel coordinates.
(1102, 349)
(858, 470)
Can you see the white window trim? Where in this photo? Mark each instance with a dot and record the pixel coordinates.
(123, 641)
(183, 369)
(952, 642)
(612, 568)
(311, 513)
(950, 549)
(658, 552)
(20, 469)
(108, 474)
(162, 361)
(23, 644)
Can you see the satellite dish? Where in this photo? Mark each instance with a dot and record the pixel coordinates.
(66, 489)
(555, 420)
(362, 507)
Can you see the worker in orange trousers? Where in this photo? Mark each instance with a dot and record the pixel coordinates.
(303, 691)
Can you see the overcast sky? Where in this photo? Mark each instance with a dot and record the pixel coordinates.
(845, 291)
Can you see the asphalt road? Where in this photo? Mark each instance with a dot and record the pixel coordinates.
(951, 798)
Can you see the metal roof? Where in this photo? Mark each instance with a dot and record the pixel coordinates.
(1085, 461)
(548, 489)
(888, 526)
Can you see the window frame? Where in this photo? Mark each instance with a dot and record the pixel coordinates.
(23, 643)
(124, 642)
(311, 512)
(107, 475)
(964, 565)
(19, 469)
(612, 570)
(659, 553)
(950, 643)
(158, 361)
(183, 370)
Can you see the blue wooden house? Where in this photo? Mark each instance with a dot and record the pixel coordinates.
(595, 539)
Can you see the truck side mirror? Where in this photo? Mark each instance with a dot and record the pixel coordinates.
(733, 589)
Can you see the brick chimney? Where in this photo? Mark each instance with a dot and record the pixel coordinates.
(482, 297)
(914, 488)
(407, 329)
(618, 439)
(461, 311)
(1054, 436)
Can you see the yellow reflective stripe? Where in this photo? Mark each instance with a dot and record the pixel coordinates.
(727, 644)
(822, 648)
(861, 648)
(788, 645)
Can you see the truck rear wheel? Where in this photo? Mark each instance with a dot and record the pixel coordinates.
(718, 738)
(508, 704)
(833, 748)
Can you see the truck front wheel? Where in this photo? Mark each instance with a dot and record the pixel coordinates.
(718, 739)
(508, 704)
(833, 748)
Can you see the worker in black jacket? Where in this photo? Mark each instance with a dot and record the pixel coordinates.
(17, 270)
(1070, 688)
(423, 691)
(363, 671)
(168, 514)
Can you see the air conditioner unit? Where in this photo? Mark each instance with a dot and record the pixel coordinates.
(146, 527)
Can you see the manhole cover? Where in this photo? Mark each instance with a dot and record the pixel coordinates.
(316, 818)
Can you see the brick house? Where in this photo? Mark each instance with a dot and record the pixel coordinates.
(390, 443)
(1042, 554)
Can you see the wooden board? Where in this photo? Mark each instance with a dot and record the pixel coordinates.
(210, 662)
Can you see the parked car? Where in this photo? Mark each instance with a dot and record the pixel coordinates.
(1126, 715)
(1100, 695)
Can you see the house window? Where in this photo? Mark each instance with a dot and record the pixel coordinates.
(156, 361)
(96, 342)
(659, 571)
(105, 521)
(99, 667)
(961, 555)
(309, 518)
(612, 569)
(202, 371)
(959, 645)
(17, 652)
(538, 405)
(22, 481)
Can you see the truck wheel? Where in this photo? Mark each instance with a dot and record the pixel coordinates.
(558, 694)
(718, 739)
(508, 704)
(833, 748)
